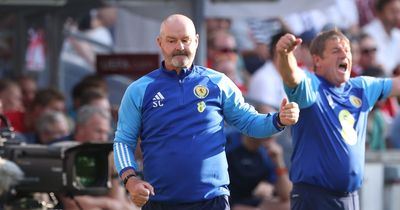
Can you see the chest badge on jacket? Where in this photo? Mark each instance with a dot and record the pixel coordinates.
(347, 121)
(201, 106)
(200, 91)
(355, 101)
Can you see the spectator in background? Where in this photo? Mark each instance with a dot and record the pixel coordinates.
(302, 53)
(259, 33)
(88, 37)
(221, 46)
(93, 125)
(258, 175)
(107, 16)
(95, 98)
(87, 83)
(11, 96)
(215, 24)
(355, 51)
(368, 56)
(371, 67)
(229, 68)
(265, 89)
(52, 126)
(265, 84)
(384, 30)
(13, 109)
(29, 88)
(45, 100)
(99, 39)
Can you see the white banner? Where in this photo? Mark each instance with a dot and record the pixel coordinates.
(258, 9)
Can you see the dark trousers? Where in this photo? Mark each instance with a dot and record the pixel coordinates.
(307, 197)
(217, 203)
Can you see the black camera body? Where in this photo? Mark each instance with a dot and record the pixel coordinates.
(69, 167)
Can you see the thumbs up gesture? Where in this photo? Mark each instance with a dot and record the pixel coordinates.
(288, 113)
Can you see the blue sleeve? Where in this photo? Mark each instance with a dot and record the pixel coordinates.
(304, 94)
(375, 88)
(242, 115)
(129, 125)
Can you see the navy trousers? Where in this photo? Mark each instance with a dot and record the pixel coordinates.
(217, 203)
(310, 197)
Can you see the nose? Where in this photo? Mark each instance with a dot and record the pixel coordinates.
(343, 52)
(180, 45)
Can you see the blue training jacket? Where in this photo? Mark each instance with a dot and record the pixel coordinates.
(329, 138)
(180, 120)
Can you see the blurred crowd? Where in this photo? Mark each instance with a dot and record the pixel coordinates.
(43, 115)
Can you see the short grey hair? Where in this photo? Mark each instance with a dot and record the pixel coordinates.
(48, 118)
(88, 111)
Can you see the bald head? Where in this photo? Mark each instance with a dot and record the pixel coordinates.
(175, 21)
(178, 42)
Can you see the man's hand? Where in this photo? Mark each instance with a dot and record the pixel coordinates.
(287, 44)
(287, 63)
(139, 190)
(289, 112)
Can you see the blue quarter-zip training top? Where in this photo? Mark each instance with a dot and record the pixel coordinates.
(180, 120)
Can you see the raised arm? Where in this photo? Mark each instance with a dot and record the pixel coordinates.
(287, 64)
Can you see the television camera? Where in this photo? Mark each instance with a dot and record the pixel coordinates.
(68, 167)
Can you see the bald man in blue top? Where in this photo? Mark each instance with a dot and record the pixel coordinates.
(329, 139)
(179, 111)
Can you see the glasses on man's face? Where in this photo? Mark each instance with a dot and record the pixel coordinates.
(367, 51)
(227, 50)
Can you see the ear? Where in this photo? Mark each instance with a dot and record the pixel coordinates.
(197, 40)
(158, 40)
(316, 60)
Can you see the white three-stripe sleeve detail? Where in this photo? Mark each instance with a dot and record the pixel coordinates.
(123, 154)
(127, 155)
(119, 154)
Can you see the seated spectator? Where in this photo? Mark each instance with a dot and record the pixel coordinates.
(222, 47)
(29, 88)
(10, 95)
(52, 126)
(96, 98)
(258, 176)
(93, 125)
(45, 100)
(229, 68)
(90, 82)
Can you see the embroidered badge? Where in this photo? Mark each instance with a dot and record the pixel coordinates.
(200, 91)
(201, 106)
(355, 101)
(347, 122)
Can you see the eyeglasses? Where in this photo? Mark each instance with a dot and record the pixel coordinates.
(227, 50)
(368, 50)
